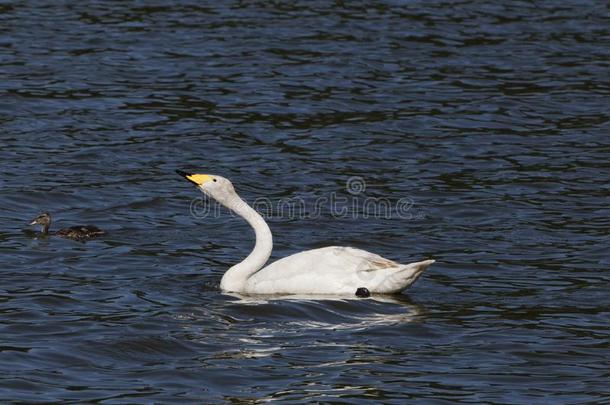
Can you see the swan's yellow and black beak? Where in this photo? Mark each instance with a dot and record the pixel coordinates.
(197, 179)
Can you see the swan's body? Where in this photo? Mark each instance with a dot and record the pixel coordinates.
(334, 270)
(331, 270)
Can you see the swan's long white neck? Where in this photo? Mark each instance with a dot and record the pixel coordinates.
(234, 280)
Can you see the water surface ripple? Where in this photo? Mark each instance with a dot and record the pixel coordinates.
(490, 117)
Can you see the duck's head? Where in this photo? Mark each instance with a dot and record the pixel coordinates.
(43, 219)
(217, 187)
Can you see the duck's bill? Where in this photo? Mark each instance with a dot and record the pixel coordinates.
(32, 223)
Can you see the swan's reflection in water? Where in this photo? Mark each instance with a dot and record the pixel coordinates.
(398, 299)
(257, 326)
(338, 312)
(356, 313)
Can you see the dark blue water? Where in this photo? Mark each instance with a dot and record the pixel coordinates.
(490, 118)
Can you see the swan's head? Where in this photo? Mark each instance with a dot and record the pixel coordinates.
(217, 187)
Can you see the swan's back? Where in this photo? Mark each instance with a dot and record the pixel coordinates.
(334, 270)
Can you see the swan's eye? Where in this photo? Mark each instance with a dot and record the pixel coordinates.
(214, 180)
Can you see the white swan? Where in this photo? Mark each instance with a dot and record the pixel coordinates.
(333, 270)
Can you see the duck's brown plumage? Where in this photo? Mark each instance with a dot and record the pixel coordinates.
(80, 232)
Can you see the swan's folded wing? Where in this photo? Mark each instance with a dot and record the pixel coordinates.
(329, 270)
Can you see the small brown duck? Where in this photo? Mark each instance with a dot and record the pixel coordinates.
(79, 233)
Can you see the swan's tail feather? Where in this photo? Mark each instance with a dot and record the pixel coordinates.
(411, 272)
(419, 267)
(426, 263)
